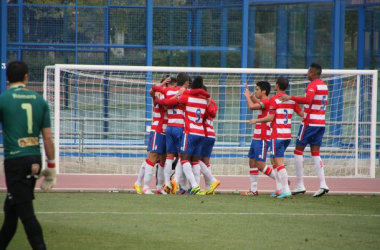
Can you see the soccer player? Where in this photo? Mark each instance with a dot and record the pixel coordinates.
(156, 147)
(211, 183)
(312, 128)
(195, 107)
(174, 128)
(259, 145)
(24, 114)
(280, 115)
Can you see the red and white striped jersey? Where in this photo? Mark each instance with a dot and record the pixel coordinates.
(262, 131)
(283, 111)
(315, 115)
(160, 118)
(195, 108)
(208, 121)
(176, 112)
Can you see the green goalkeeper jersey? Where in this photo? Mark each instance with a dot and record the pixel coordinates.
(23, 114)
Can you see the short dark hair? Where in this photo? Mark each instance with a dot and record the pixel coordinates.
(172, 80)
(264, 85)
(182, 78)
(16, 71)
(282, 82)
(197, 83)
(317, 69)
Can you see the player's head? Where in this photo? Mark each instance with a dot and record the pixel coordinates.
(197, 83)
(182, 78)
(314, 72)
(17, 71)
(262, 87)
(190, 82)
(173, 81)
(282, 83)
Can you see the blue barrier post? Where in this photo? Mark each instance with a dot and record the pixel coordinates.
(310, 37)
(149, 62)
(336, 88)
(281, 38)
(244, 64)
(223, 64)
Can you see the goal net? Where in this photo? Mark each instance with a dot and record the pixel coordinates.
(102, 116)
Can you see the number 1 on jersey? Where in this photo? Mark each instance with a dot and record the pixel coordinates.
(29, 116)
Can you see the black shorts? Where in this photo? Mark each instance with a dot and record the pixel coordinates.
(20, 183)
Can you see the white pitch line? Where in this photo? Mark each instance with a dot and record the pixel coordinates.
(206, 213)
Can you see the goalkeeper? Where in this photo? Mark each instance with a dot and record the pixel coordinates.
(24, 114)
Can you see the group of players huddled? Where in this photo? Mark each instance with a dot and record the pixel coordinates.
(182, 133)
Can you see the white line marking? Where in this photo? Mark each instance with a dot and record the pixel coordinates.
(205, 213)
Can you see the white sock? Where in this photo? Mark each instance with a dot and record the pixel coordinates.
(254, 177)
(148, 174)
(277, 179)
(160, 176)
(283, 175)
(206, 171)
(196, 171)
(178, 171)
(168, 169)
(189, 173)
(140, 176)
(268, 171)
(318, 165)
(183, 181)
(298, 165)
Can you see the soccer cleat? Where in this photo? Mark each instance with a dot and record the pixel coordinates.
(284, 195)
(202, 192)
(213, 186)
(321, 192)
(195, 190)
(276, 193)
(174, 186)
(181, 191)
(147, 191)
(298, 190)
(250, 193)
(138, 188)
(168, 189)
(160, 191)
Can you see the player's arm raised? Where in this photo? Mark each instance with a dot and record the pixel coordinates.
(300, 99)
(250, 104)
(159, 87)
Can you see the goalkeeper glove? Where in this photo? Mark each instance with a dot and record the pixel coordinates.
(50, 175)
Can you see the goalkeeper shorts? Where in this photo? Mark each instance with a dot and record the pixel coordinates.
(20, 183)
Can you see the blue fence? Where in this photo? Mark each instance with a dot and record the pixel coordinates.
(225, 33)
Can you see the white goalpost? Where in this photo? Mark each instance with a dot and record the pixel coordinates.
(101, 117)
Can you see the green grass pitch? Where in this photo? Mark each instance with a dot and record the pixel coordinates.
(129, 221)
